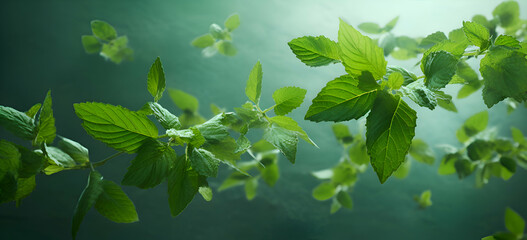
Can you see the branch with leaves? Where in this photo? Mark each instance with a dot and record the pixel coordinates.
(218, 39)
(106, 42)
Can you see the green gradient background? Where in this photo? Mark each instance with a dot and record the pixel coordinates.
(41, 49)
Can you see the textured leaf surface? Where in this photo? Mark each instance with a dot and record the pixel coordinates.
(514, 222)
(253, 90)
(87, 199)
(341, 100)
(182, 187)
(76, 151)
(287, 99)
(284, 140)
(204, 162)
(315, 51)
(390, 130)
(116, 126)
(477, 34)
(359, 53)
(324, 191)
(290, 124)
(156, 80)
(115, 205)
(17, 122)
(439, 68)
(165, 118)
(150, 166)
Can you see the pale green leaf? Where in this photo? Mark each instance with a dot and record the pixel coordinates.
(508, 13)
(103, 30)
(508, 41)
(32, 112)
(78, 152)
(315, 51)
(251, 186)
(514, 222)
(253, 90)
(371, 28)
(115, 205)
(203, 41)
(390, 129)
(87, 199)
(324, 191)
(287, 99)
(24, 187)
(359, 53)
(232, 22)
(391, 24)
(341, 100)
(205, 192)
(480, 150)
(432, 39)
(342, 133)
(345, 199)
(91, 44)
(226, 48)
(395, 80)
(420, 151)
(335, 206)
(447, 164)
(408, 76)
(150, 166)
(116, 126)
(59, 157)
(270, 174)
(156, 80)
(242, 144)
(164, 117)
(183, 100)
(216, 31)
(403, 170)
(518, 137)
(117, 50)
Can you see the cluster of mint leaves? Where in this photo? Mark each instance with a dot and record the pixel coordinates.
(483, 152)
(218, 39)
(203, 145)
(338, 181)
(372, 86)
(106, 42)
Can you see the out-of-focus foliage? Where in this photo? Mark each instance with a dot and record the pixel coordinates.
(105, 41)
(218, 40)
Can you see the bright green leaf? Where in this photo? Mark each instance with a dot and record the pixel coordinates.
(251, 186)
(341, 100)
(315, 51)
(284, 140)
(226, 48)
(164, 117)
(324, 191)
(477, 34)
(290, 124)
(390, 129)
(156, 80)
(371, 28)
(359, 53)
(204, 162)
(116, 126)
(514, 222)
(345, 200)
(232, 22)
(508, 13)
(17, 123)
(91, 44)
(287, 99)
(205, 192)
(89, 196)
(420, 151)
(78, 152)
(253, 90)
(46, 127)
(103, 30)
(432, 39)
(270, 174)
(395, 81)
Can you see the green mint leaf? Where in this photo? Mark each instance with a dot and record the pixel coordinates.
(182, 186)
(473, 125)
(359, 53)
(216, 31)
(420, 151)
(465, 72)
(464, 168)
(156, 80)
(358, 153)
(242, 144)
(32, 112)
(235, 179)
(432, 39)
(390, 129)
(251, 186)
(409, 77)
(324, 191)
(455, 48)
(204, 162)
(270, 174)
(150, 167)
(315, 51)
(59, 157)
(287, 99)
(421, 95)
(342, 133)
(514, 222)
(232, 22)
(46, 124)
(290, 124)
(25, 186)
(445, 101)
(87, 199)
(76, 151)
(205, 192)
(508, 13)
(191, 136)
(508, 41)
(115, 205)
(213, 129)
(116, 126)
(91, 44)
(505, 75)
(424, 200)
(17, 123)
(518, 137)
(446, 167)
(457, 35)
(395, 80)
(403, 170)
(226, 48)
(477, 34)
(253, 90)
(103, 30)
(370, 27)
(388, 27)
(225, 150)
(284, 140)
(203, 41)
(469, 89)
(345, 199)
(341, 100)
(406, 43)
(165, 118)
(439, 68)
